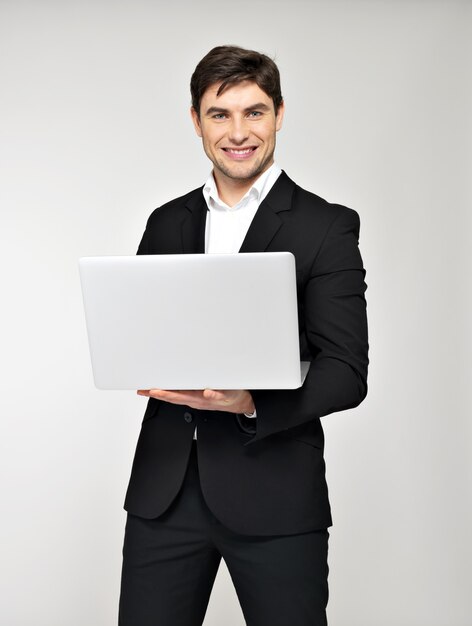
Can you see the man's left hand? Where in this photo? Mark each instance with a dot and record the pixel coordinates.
(233, 401)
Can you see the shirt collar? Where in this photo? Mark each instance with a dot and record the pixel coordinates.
(258, 191)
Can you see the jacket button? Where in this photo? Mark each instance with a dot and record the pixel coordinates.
(188, 417)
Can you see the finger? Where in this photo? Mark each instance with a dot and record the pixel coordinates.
(176, 397)
(211, 394)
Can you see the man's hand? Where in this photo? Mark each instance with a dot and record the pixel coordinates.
(234, 401)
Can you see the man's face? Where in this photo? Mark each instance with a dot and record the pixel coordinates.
(238, 130)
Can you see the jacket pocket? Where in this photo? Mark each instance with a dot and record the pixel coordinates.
(309, 434)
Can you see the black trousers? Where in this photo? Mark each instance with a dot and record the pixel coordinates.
(170, 564)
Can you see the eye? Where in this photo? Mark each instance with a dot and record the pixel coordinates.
(255, 114)
(218, 116)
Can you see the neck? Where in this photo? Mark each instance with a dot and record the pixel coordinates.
(231, 190)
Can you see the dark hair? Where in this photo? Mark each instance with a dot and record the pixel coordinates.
(231, 65)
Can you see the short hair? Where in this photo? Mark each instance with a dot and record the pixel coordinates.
(231, 65)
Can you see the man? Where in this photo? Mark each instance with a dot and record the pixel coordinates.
(239, 474)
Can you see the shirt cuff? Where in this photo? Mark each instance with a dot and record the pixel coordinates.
(251, 415)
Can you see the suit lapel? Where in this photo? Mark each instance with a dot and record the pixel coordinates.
(267, 220)
(193, 224)
(262, 230)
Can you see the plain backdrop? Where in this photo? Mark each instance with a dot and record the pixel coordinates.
(95, 133)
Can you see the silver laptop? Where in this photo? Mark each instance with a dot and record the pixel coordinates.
(193, 321)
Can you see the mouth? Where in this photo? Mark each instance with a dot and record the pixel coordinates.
(240, 154)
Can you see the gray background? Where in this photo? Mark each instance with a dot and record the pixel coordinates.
(95, 133)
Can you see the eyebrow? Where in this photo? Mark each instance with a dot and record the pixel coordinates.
(260, 106)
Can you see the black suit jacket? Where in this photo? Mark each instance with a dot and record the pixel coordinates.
(265, 476)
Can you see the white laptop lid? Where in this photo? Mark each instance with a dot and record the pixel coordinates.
(192, 321)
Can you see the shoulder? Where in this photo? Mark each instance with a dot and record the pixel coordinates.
(314, 210)
(170, 209)
(328, 234)
(316, 205)
(162, 232)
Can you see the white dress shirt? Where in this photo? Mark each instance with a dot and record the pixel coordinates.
(226, 226)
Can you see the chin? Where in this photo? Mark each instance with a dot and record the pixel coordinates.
(243, 173)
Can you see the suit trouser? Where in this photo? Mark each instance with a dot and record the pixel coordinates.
(170, 563)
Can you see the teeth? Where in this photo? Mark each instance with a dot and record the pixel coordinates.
(234, 151)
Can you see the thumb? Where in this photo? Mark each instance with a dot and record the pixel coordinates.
(210, 394)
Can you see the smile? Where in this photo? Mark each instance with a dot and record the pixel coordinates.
(240, 153)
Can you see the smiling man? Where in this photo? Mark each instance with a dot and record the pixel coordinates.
(238, 127)
(250, 487)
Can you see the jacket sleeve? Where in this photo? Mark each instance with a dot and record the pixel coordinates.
(336, 332)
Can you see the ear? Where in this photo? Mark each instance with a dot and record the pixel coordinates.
(196, 121)
(280, 116)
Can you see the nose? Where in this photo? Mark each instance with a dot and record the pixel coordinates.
(238, 131)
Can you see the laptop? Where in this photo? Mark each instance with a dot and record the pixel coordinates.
(193, 321)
